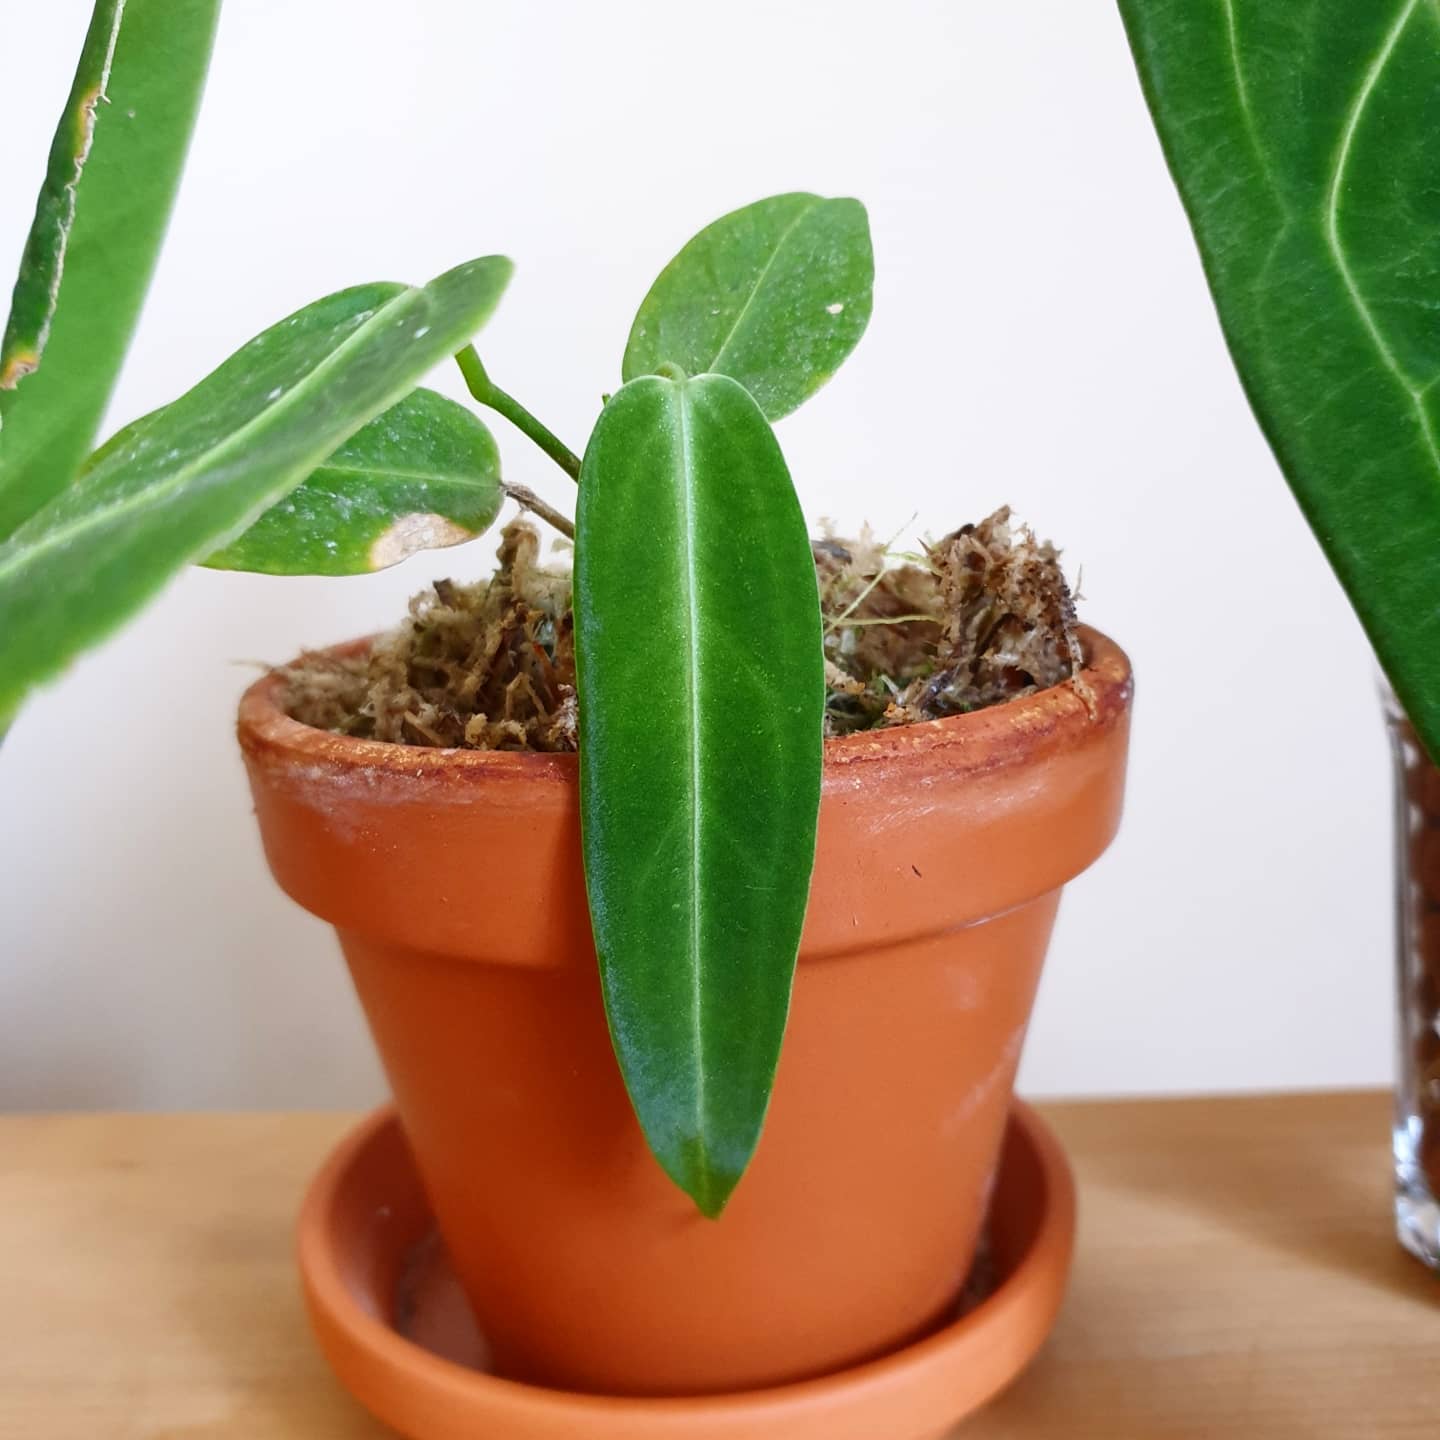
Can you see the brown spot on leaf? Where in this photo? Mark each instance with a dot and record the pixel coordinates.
(17, 367)
(410, 534)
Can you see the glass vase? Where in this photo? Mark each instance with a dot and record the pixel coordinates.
(1417, 938)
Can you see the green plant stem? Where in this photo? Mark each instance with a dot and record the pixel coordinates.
(490, 394)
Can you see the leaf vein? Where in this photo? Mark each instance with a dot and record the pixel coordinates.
(1242, 93)
(1356, 296)
(758, 285)
(389, 472)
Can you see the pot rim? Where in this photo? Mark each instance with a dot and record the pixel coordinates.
(996, 737)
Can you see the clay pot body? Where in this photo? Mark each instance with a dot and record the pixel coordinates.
(454, 880)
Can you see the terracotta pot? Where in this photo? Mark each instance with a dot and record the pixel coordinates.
(454, 880)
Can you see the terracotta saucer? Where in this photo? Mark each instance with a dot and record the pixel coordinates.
(396, 1330)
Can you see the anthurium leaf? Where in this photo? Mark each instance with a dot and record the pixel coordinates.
(701, 684)
(423, 475)
(1303, 140)
(200, 472)
(776, 295)
(114, 167)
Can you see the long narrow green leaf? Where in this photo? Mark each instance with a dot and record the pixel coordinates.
(183, 484)
(776, 294)
(423, 475)
(37, 286)
(1303, 138)
(701, 704)
(114, 168)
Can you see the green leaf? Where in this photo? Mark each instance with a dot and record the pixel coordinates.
(423, 475)
(776, 295)
(701, 683)
(114, 167)
(200, 472)
(37, 286)
(1303, 140)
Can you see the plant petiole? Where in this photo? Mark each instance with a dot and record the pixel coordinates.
(490, 394)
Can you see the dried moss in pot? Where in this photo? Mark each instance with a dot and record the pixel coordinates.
(982, 616)
(488, 666)
(979, 617)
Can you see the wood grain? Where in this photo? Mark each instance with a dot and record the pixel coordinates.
(1236, 1276)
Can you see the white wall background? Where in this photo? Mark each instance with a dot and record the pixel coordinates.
(1042, 336)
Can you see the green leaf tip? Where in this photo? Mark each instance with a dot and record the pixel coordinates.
(698, 647)
(702, 1177)
(775, 295)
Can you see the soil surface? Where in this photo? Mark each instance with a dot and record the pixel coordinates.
(978, 618)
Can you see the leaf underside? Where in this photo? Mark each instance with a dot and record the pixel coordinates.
(114, 168)
(1303, 139)
(423, 475)
(190, 478)
(776, 295)
(701, 705)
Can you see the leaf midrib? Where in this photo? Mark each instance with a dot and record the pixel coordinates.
(759, 283)
(162, 488)
(692, 682)
(442, 477)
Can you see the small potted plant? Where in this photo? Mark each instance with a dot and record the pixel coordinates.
(575, 829)
(689, 672)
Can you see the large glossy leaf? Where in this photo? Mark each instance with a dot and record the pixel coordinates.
(776, 295)
(701, 704)
(114, 167)
(207, 466)
(425, 474)
(1303, 138)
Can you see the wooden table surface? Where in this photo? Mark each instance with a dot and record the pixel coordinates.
(1236, 1276)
